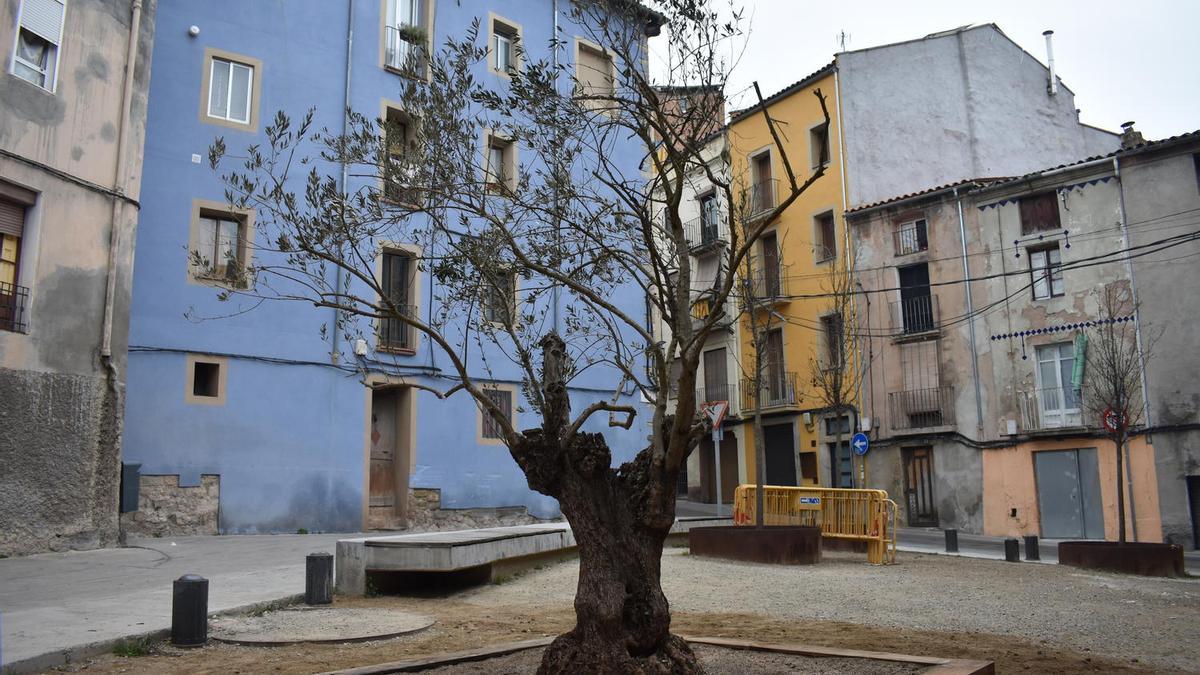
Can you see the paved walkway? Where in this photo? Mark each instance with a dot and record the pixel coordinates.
(55, 607)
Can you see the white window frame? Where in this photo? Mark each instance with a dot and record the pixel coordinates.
(1046, 272)
(231, 63)
(1052, 396)
(50, 72)
(393, 21)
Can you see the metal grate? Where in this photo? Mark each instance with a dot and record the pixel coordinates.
(14, 303)
(922, 408)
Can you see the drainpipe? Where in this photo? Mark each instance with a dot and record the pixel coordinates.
(1137, 331)
(114, 240)
(856, 361)
(555, 292)
(335, 354)
(962, 236)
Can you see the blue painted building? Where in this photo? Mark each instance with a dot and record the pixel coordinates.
(249, 413)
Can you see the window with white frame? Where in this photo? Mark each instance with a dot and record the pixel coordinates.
(505, 38)
(219, 245)
(230, 90)
(39, 34)
(500, 162)
(403, 35)
(1045, 268)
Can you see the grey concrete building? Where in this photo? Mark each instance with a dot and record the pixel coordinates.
(72, 116)
(978, 409)
(969, 97)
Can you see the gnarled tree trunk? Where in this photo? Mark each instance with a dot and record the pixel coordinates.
(620, 519)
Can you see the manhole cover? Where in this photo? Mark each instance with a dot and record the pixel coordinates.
(318, 624)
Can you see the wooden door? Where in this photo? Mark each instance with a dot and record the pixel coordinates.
(715, 379)
(770, 261)
(388, 484)
(918, 487)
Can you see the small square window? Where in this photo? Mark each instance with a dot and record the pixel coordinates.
(911, 236)
(39, 35)
(499, 301)
(206, 376)
(219, 247)
(490, 430)
(1039, 213)
(230, 90)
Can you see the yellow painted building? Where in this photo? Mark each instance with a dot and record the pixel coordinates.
(794, 258)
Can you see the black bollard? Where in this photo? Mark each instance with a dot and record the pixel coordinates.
(1012, 550)
(1031, 548)
(951, 541)
(189, 611)
(318, 579)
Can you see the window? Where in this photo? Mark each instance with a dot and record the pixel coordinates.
(917, 310)
(396, 284)
(595, 76)
(398, 167)
(825, 242)
(1196, 162)
(506, 36)
(219, 249)
(1058, 401)
(500, 164)
(404, 35)
(818, 145)
(833, 330)
(39, 34)
(836, 425)
(499, 297)
(1039, 213)
(762, 189)
(13, 297)
(710, 218)
(911, 236)
(205, 381)
(490, 430)
(231, 90)
(1045, 268)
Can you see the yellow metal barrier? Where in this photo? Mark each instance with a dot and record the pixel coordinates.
(862, 515)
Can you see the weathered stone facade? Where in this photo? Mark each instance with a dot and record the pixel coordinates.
(167, 510)
(425, 513)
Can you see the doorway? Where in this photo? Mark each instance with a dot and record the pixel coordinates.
(781, 454)
(918, 487)
(1193, 488)
(729, 469)
(391, 458)
(1068, 490)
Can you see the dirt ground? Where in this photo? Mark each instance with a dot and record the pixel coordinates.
(537, 603)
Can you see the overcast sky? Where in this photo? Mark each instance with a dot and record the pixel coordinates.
(1130, 60)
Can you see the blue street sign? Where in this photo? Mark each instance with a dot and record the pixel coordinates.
(860, 444)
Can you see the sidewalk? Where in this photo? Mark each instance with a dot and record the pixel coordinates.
(61, 607)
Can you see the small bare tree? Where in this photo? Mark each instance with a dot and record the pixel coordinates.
(1112, 381)
(832, 371)
(586, 233)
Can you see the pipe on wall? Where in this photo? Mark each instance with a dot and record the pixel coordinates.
(334, 353)
(962, 236)
(119, 177)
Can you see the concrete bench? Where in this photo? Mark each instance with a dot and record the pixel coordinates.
(458, 550)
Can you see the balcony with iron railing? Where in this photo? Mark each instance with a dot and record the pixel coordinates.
(702, 310)
(14, 304)
(915, 315)
(910, 237)
(724, 391)
(1051, 408)
(395, 335)
(921, 408)
(402, 49)
(703, 232)
(770, 284)
(778, 391)
(761, 197)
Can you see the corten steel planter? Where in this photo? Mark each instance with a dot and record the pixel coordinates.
(1151, 560)
(776, 544)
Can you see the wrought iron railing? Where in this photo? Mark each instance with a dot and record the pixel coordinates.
(778, 390)
(395, 334)
(703, 232)
(401, 52)
(918, 314)
(1051, 408)
(14, 308)
(911, 237)
(922, 408)
(770, 283)
(761, 197)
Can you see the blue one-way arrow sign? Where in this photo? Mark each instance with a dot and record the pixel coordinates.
(860, 443)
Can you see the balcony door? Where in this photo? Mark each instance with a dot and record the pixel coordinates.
(715, 378)
(916, 303)
(1058, 402)
(773, 375)
(770, 259)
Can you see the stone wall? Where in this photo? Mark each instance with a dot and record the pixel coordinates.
(59, 462)
(167, 510)
(425, 513)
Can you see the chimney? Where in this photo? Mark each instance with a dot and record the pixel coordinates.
(1053, 88)
(1130, 137)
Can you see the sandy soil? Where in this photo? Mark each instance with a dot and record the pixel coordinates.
(1025, 617)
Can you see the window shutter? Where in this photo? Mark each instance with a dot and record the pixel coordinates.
(45, 18)
(12, 218)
